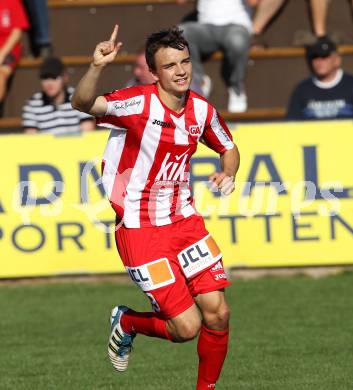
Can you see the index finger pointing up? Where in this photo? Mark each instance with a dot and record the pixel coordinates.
(114, 35)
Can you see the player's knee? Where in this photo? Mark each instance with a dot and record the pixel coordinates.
(217, 319)
(188, 331)
(224, 314)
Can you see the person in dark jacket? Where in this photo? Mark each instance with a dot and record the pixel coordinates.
(328, 93)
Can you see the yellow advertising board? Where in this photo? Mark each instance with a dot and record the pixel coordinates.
(293, 204)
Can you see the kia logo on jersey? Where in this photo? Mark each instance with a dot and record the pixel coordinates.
(194, 130)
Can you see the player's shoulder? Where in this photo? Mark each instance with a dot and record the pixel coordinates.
(139, 89)
(194, 96)
(202, 108)
(130, 92)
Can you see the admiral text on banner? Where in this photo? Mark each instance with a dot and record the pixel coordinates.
(293, 203)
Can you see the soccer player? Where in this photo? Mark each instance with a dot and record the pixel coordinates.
(161, 240)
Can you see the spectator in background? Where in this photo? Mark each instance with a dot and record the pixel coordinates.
(328, 93)
(37, 11)
(264, 13)
(267, 9)
(50, 110)
(319, 10)
(222, 25)
(141, 71)
(13, 21)
(319, 13)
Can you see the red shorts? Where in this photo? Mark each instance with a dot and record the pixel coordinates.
(172, 263)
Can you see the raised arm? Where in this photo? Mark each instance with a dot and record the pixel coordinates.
(85, 96)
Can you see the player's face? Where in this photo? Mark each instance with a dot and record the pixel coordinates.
(173, 70)
(141, 70)
(52, 87)
(325, 68)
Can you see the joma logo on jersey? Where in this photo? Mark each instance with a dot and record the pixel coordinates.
(173, 170)
(194, 130)
(161, 123)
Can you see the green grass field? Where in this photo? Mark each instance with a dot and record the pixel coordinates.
(294, 333)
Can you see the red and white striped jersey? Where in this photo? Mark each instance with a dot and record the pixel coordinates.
(147, 158)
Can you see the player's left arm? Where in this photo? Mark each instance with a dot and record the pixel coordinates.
(224, 181)
(218, 137)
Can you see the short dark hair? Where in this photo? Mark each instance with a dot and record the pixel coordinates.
(51, 67)
(172, 37)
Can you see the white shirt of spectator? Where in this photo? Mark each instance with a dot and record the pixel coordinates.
(329, 84)
(223, 12)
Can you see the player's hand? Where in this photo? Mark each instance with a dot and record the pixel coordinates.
(105, 52)
(220, 181)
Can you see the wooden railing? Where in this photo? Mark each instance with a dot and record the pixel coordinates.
(274, 113)
(102, 3)
(274, 52)
(10, 123)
